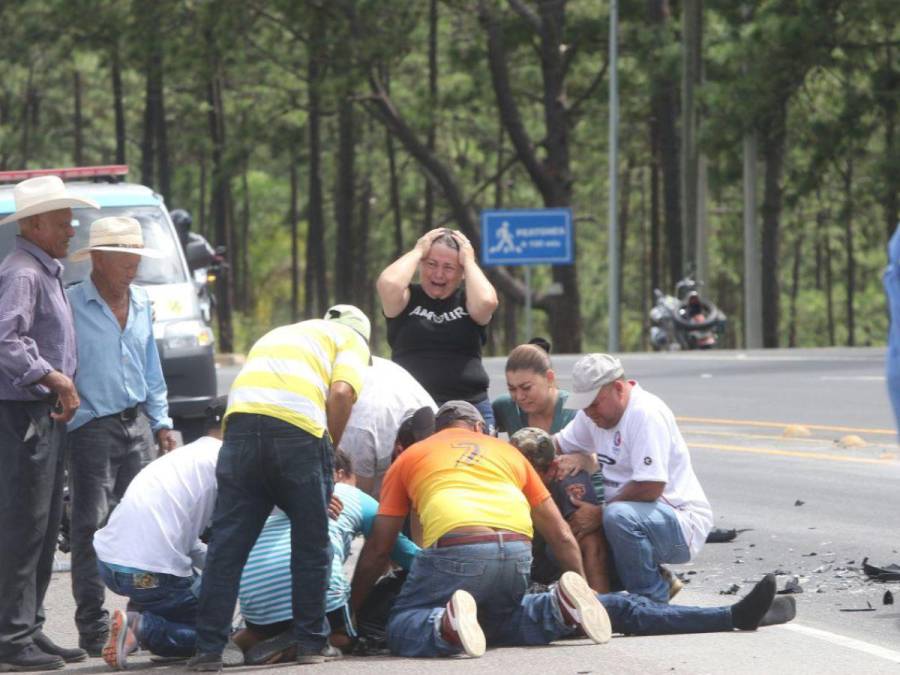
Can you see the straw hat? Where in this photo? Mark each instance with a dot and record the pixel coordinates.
(119, 234)
(43, 194)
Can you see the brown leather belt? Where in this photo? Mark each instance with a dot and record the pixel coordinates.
(464, 539)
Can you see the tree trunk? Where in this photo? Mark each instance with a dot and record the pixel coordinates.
(888, 99)
(431, 142)
(551, 174)
(77, 122)
(346, 249)
(220, 209)
(316, 294)
(774, 141)
(822, 221)
(294, 217)
(656, 273)
(847, 217)
(148, 142)
(27, 106)
(118, 102)
(624, 215)
(664, 110)
(245, 288)
(361, 294)
(795, 289)
(162, 134)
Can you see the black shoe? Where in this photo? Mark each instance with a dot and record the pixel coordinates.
(31, 658)
(48, 646)
(205, 662)
(93, 644)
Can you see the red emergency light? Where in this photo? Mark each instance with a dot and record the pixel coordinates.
(110, 171)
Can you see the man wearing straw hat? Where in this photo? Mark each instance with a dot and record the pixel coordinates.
(123, 402)
(37, 397)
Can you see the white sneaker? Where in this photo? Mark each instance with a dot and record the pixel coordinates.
(459, 625)
(580, 606)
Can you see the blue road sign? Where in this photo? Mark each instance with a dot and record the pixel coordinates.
(526, 237)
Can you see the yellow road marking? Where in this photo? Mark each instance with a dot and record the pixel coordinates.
(782, 425)
(734, 434)
(790, 453)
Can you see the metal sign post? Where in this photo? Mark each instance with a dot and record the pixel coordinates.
(527, 237)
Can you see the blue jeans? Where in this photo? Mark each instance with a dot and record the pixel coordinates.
(167, 604)
(496, 574)
(265, 462)
(641, 535)
(637, 615)
(487, 412)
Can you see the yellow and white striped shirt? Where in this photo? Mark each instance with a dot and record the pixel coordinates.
(290, 369)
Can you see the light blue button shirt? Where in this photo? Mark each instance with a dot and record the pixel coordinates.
(117, 369)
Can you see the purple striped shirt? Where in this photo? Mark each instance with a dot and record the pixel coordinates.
(37, 333)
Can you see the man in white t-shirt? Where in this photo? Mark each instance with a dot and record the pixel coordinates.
(655, 509)
(388, 392)
(150, 550)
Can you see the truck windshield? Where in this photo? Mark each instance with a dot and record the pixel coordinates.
(158, 234)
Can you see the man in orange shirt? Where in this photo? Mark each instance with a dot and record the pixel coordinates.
(476, 497)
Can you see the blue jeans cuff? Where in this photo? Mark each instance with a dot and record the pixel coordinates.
(437, 614)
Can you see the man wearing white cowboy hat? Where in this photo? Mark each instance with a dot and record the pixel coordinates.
(37, 397)
(123, 402)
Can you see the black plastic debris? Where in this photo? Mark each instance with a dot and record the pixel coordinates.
(799, 502)
(792, 585)
(718, 535)
(809, 555)
(862, 609)
(731, 590)
(887, 573)
(888, 598)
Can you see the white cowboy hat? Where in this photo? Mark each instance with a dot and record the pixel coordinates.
(43, 194)
(119, 234)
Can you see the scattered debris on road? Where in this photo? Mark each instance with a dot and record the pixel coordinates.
(887, 573)
(799, 502)
(792, 585)
(719, 535)
(862, 609)
(888, 598)
(731, 590)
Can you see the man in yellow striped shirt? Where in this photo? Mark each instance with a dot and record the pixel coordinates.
(287, 409)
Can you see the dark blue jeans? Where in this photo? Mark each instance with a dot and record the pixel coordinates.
(637, 615)
(496, 574)
(265, 462)
(104, 455)
(167, 604)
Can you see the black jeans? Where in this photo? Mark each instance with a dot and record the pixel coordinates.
(265, 462)
(103, 457)
(31, 481)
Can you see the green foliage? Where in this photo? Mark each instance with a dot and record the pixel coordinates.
(834, 62)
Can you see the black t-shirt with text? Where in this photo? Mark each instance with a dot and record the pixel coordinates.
(440, 345)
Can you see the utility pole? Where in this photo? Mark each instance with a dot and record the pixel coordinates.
(614, 262)
(693, 172)
(753, 334)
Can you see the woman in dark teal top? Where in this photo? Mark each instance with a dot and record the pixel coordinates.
(533, 399)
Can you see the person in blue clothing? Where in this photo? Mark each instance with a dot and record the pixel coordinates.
(265, 591)
(891, 281)
(124, 410)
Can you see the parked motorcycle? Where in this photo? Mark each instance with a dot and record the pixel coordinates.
(685, 320)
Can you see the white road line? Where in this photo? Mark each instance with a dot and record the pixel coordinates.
(844, 641)
(856, 378)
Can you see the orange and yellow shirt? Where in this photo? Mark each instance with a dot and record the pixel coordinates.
(460, 478)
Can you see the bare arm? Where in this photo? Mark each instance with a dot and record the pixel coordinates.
(549, 522)
(341, 398)
(393, 282)
(374, 558)
(639, 491)
(481, 297)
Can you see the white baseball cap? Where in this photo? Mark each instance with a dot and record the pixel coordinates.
(352, 317)
(591, 373)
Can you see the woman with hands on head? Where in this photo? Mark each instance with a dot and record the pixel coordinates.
(437, 327)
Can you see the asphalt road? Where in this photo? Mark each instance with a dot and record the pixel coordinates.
(809, 505)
